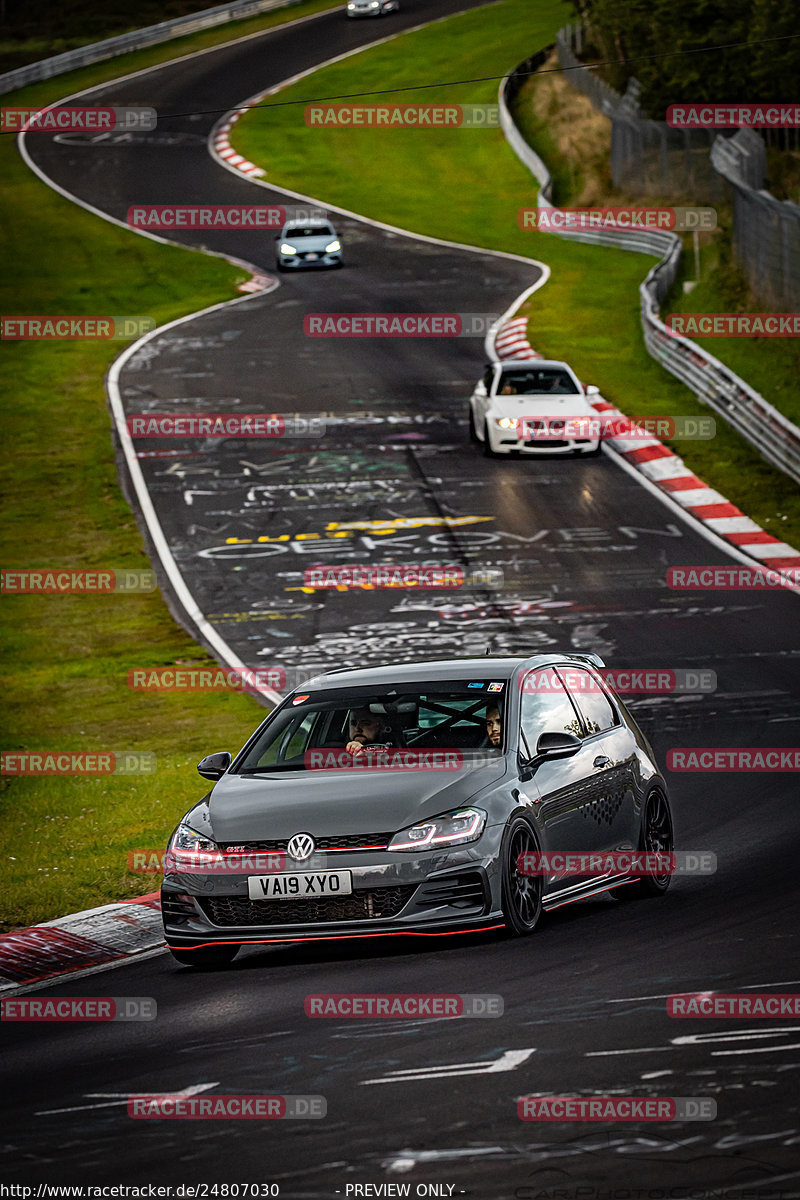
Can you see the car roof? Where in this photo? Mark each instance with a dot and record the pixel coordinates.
(514, 364)
(318, 223)
(478, 666)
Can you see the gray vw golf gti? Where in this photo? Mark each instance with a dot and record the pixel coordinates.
(413, 799)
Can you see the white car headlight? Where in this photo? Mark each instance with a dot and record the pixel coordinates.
(506, 422)
(450, 829)
(332, 247)
(287, 249)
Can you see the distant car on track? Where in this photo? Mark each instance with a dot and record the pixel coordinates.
(534, 754)
(371, 8)
(309, 244)
(522, 405)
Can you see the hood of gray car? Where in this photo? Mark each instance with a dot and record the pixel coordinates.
(338, 802)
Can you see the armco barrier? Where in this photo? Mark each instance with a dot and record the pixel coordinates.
(94, 52)
(772, 434)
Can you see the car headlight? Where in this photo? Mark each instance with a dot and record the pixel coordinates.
(287, 249)
(189, 849)
(333, 247)
(450, 829)
(375, 4)
(506, 422)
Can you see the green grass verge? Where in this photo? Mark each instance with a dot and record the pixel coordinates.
(770, 365)
(66, 658)
(467, 186)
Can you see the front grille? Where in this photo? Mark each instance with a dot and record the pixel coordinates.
(352, 841)
(380, 903)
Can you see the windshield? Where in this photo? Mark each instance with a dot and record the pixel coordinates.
(301, 231)
(536, 382)
(464, 715)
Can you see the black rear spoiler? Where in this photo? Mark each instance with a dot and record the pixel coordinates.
(594, 660)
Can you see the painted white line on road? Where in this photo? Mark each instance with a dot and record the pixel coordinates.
(112, 1099)
(740, 987)
(630, 1050)
(508, 1061)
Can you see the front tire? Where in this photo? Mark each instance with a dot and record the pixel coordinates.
(488, 452)
(473, 429)
(521, 894)
(206, 956)
(656, 836)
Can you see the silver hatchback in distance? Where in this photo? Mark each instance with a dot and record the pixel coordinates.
(371, 8)
(402, 800)
(304, 244)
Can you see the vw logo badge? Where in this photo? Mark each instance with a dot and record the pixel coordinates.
(301, 846)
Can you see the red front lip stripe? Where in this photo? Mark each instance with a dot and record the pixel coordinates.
(334, 937)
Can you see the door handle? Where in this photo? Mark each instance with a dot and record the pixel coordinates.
(602, 760)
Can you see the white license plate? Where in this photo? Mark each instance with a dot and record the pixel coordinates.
(311, 257)
(299, 886)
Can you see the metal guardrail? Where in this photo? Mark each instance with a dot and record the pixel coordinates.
(151, 35)
(647, 157)
(744, 409)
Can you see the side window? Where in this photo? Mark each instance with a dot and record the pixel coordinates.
(586, 690)
(292, 742)
(546, 707)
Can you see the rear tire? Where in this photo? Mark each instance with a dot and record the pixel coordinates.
(207, 956)
(521, 894)
(657, 835)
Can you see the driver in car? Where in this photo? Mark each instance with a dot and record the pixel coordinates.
(366, 731)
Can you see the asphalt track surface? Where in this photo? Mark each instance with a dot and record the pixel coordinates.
(584, 549)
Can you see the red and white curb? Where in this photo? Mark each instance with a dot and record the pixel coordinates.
(511, 340)
(232, 157)
(669, 474)
(94, 938)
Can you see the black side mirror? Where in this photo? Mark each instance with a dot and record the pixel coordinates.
(550, 745)
(214, 766)
(557, 745)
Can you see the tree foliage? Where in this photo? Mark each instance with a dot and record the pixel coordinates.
(657, 34)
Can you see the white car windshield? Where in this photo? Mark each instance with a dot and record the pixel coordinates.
(536, 382)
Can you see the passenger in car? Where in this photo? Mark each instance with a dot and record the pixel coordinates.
(494, 726)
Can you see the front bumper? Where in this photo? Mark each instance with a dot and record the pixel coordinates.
(507, 441)
(299, 262)
(457, 890)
